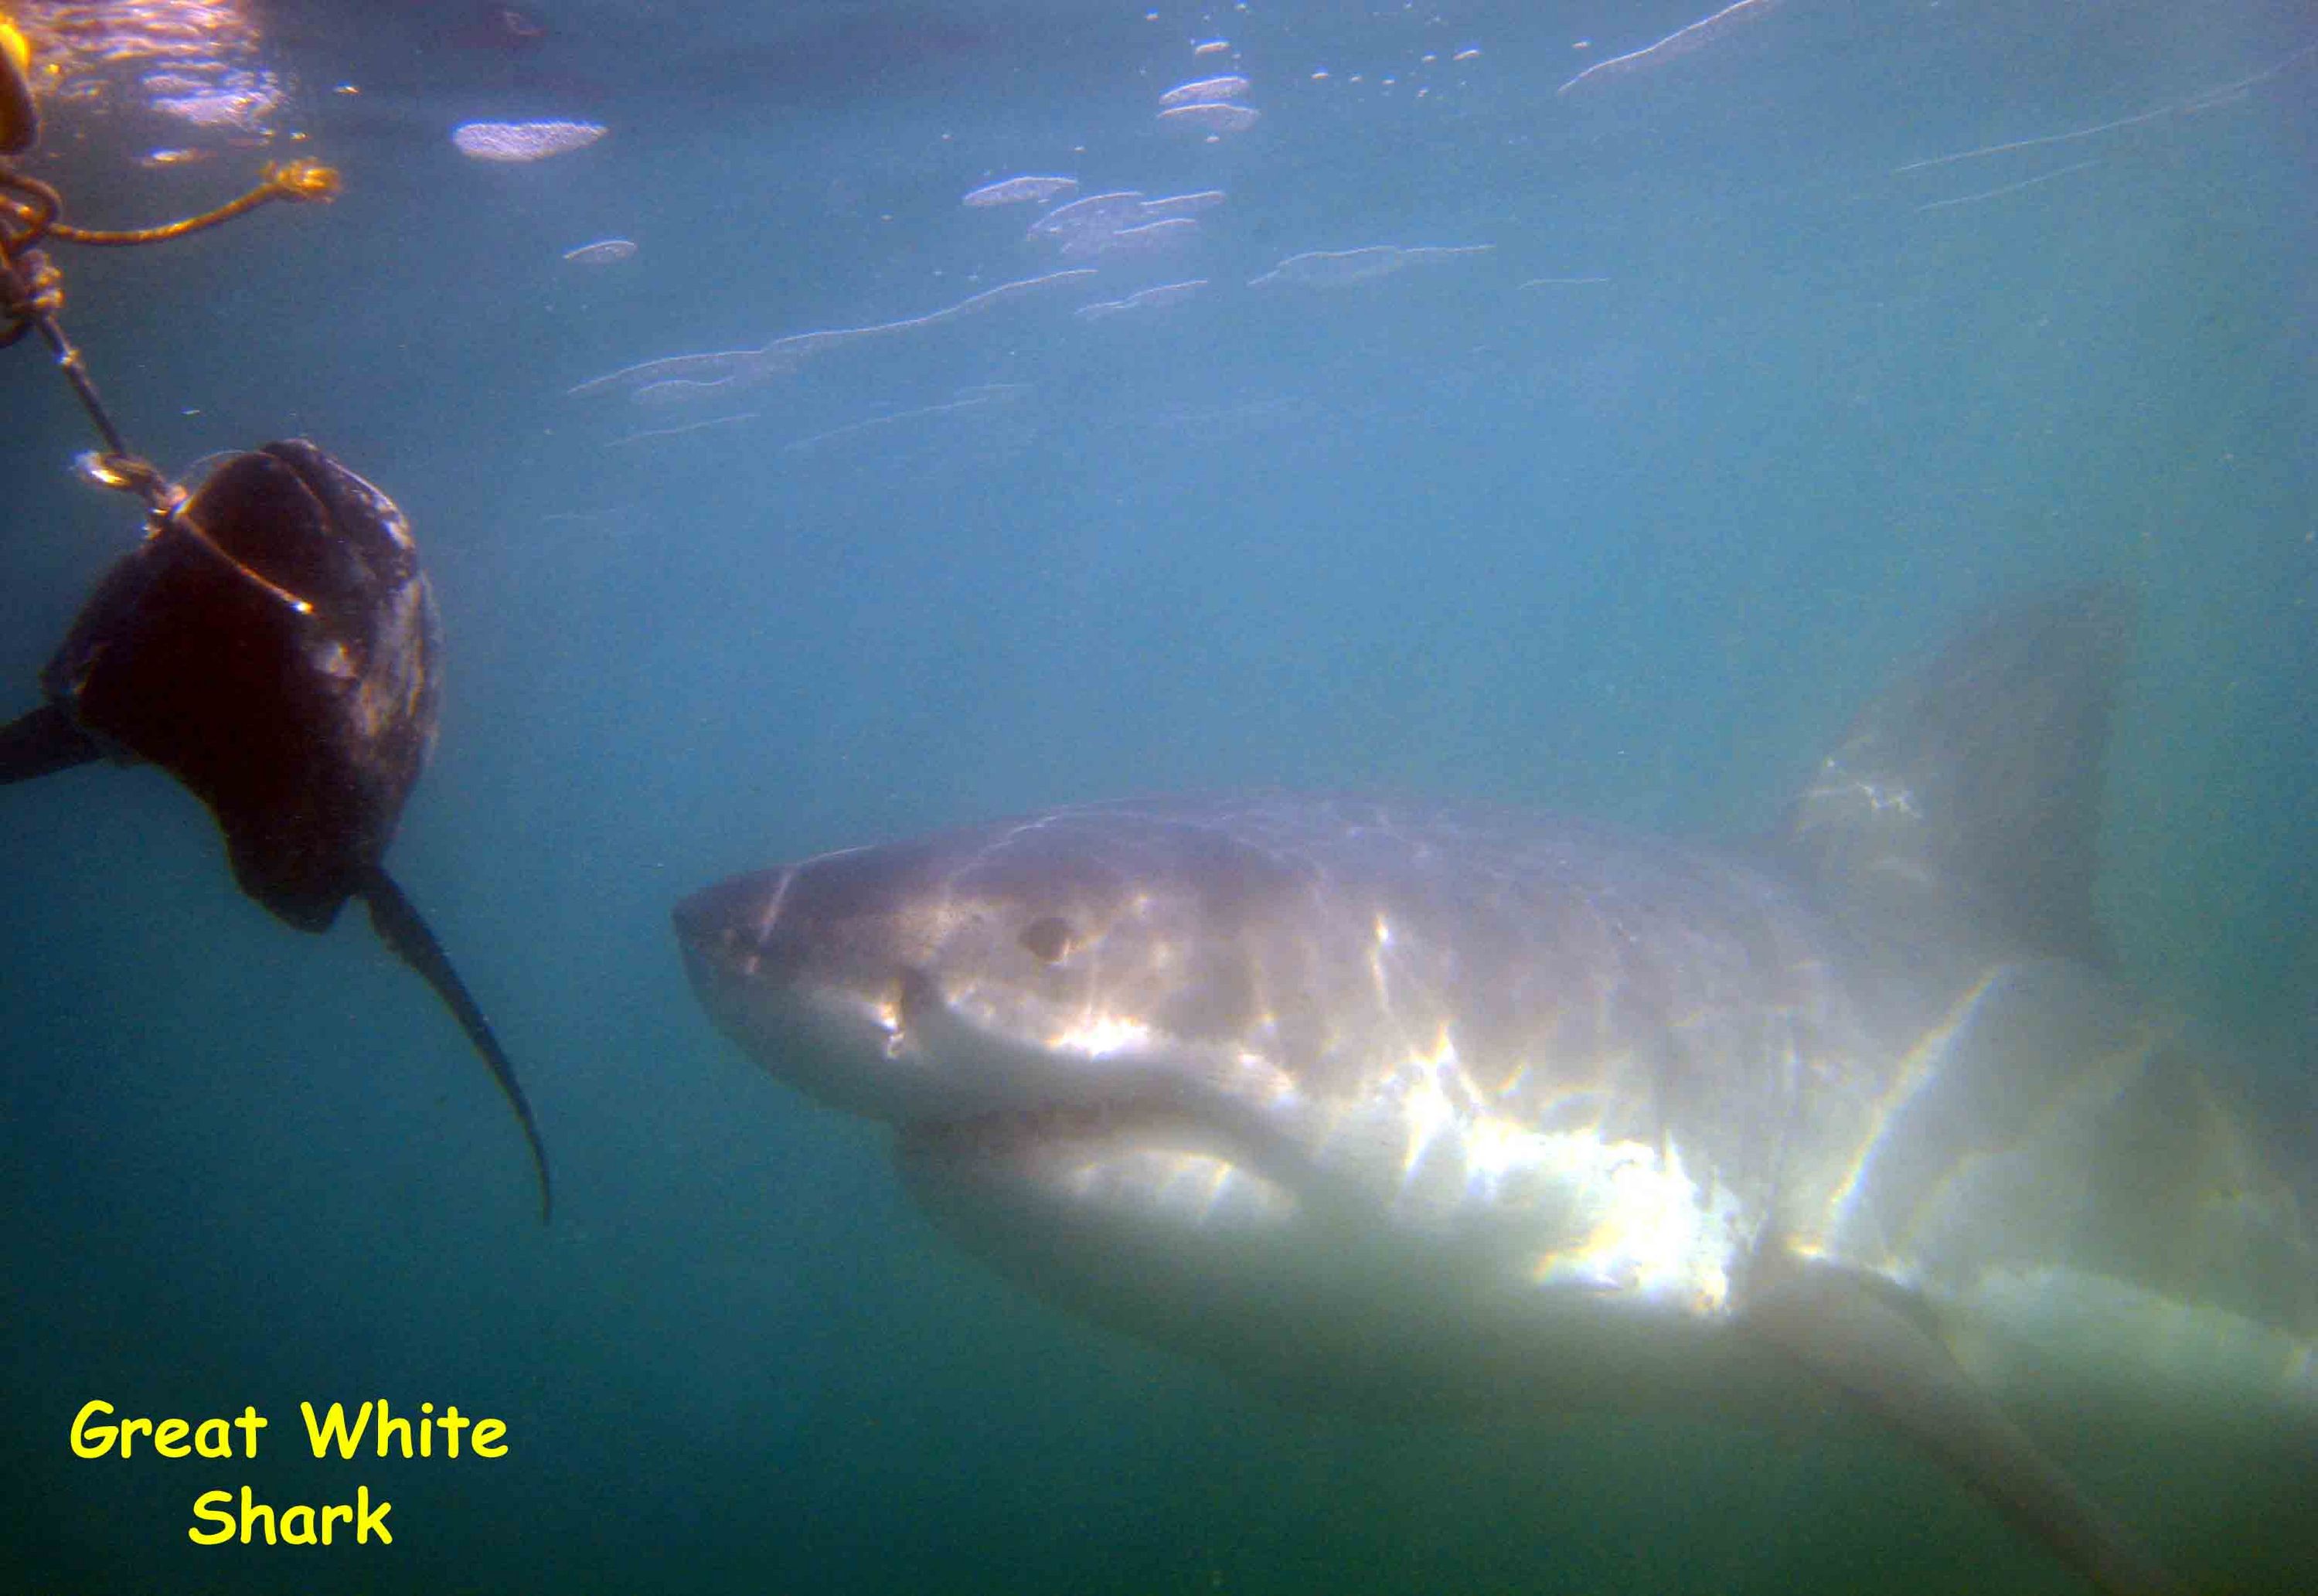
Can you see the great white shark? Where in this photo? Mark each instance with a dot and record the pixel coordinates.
(1437, 1106)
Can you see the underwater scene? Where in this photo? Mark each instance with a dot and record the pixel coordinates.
(1101, 796)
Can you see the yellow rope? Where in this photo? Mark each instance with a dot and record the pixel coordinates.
(32, 291)
(302, 181)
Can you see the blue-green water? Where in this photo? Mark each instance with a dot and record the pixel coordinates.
(1635, 547)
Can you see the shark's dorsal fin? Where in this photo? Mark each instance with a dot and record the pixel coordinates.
(1973, 788)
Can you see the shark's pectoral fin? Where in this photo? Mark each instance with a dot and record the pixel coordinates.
(399, 926)
(1852, 1335)
(42, 743)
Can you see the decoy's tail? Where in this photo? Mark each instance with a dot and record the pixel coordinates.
(399, 926)
(40, 744)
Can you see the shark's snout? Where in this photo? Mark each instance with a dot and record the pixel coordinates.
(730, 925)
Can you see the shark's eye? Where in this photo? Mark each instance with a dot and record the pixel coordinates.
(1048, 939)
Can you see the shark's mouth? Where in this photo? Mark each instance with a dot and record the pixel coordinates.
(1017, 1096)
(1116, 1113)
(1154, 1160)
(1048, 1179)
(1011, 1133)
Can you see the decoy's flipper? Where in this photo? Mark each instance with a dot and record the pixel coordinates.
(400, 927)
(1850, 1333)
(42, 743)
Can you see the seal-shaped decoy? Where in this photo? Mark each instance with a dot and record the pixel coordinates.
(273, 645)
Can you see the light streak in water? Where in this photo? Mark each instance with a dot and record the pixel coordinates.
(1143, 299)
(1099, 213)
(522, 142)
(1030, 189)
(1147, 239)
(2205, 100)
(678, 432)
(1341, 268)
(604, 252)
(2009, 188)
(1681, 42)
(1173, 205)
(1207, 91)
(973, 401)
(652, 382)
(1214, 119)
